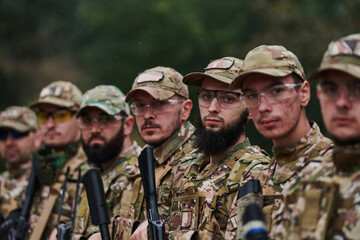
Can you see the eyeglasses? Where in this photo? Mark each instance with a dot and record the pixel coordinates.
(331, 90)
(103, 121)
(14, 134)
(138, 108)
(273, 94)
(226, 99)
(59, 115)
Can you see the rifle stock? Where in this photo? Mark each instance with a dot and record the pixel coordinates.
(156, 227)
(96, 199)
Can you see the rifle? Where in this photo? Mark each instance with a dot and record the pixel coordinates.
(21, 224)
(64, 231)
(96, 199)
(156, 227)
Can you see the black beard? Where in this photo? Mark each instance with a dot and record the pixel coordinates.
(212, 142)
(97, 154)
(350, 141)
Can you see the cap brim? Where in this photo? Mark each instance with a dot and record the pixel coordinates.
(346, 68)
(196, 78)
(156, 92)
(237, 83)
(96, 105)
(17, 126)
(53, 101)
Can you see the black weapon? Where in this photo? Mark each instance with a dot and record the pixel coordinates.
(156, 227)
(64, 231)
(250, 213)
(21, 224)
(96, 199)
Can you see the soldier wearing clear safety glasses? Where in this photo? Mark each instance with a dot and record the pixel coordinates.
(325, 203)
(205, 186)
(61, 151)
(275, 92)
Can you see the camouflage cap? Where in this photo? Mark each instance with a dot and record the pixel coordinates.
(21, 119)
(160, 82)
(108, 98)
(272, 60)
(59, 93)
(342, 55)
(225, 70)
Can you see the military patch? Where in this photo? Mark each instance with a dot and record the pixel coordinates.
(150, 77)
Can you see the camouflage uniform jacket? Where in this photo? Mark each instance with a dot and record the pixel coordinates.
(285, 165)
(324, 205)
(50, 167)
(13, 185)
(115, 180)
(167, 156)
(202, 200)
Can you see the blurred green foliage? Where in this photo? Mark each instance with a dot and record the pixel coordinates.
(109, 42)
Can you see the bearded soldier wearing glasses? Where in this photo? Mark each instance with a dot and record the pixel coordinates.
(61, 152)
(205, 187)
(276, 92)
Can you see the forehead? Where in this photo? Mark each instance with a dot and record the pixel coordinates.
(259, 81)
(212, 84)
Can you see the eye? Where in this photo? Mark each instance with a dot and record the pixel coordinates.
(276, 90)
(206, 96)
(61, 114)
(105, 119)
(86, 120)
(228, 98)
(139, 104)
(250, 95)
(330, 89)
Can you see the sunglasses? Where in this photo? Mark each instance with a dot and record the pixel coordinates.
(14, 134)
(60, 115)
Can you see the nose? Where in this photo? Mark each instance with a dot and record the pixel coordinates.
(263, 103)
(9, 140)
(50, 122)
(343, 101)
(148, 112)
(95, 128)
(214, 105)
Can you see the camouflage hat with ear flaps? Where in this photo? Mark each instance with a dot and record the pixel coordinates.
(271, 60)
(160, 82)
(21, 119)
(342, 55)
(59, 93)
(108, 98)
(225, 70)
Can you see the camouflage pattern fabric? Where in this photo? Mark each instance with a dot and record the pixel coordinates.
(285, 165)
(73, 158)
(59, 93)
(167, 156)
(271, 60)
(115, 179)
(199, 207)
(21, 119)
(325, 204)
(160, 82)
(13, 184)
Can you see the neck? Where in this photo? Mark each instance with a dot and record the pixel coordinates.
(216, 158)
(301, 129)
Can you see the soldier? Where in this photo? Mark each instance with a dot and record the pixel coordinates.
(56, 108)
(204, 190)
(106, 124)
(324, 205)
(276, 92)
(19, 137)
(161, 105)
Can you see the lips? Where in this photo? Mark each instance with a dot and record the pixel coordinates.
(343, 120)
(268, 122)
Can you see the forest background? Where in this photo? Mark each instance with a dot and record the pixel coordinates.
(110, 42)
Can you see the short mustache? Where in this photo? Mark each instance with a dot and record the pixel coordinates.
(149, 124)
(213, 117)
